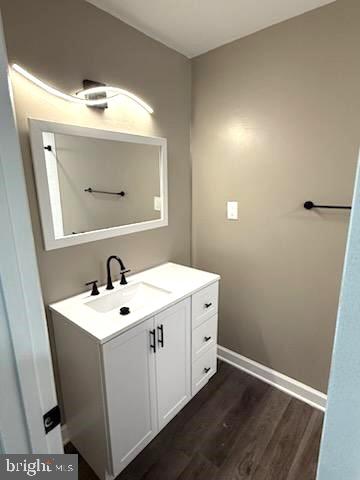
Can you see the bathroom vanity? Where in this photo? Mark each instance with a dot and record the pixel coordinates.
(124, 377)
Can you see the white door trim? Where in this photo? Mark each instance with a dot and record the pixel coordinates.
(278, 380)
(20, 282)
(340, 444)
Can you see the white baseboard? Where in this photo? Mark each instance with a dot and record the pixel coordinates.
(65, 434)
(278, 380)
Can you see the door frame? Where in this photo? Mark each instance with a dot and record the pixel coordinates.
(340, 443)
(20, 285)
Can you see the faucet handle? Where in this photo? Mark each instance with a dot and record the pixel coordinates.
(94, 290)
(123, 280)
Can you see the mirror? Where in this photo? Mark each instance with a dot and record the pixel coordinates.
(94, 184)
(102, 183)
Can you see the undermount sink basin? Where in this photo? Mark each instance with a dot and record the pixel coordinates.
(134, 296)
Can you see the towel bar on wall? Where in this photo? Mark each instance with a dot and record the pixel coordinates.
(90, 190)
(310, 205)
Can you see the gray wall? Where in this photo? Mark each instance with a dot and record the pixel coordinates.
(64, 42)
(276, 121)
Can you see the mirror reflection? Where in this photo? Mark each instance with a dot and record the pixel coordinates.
(96, 183)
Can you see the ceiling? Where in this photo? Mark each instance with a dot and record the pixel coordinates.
(193, 27)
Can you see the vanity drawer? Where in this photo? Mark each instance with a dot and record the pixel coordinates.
(204, 304)
(204, 337)
(203, 369)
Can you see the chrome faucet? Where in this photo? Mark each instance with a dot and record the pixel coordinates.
(123, 270)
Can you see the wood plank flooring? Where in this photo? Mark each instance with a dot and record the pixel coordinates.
(236, 428)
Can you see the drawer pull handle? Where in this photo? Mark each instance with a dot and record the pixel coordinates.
(207, 369)
(206, 339)
(208, 305)
(152, 340)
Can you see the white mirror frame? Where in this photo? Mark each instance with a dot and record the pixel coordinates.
(50, 198)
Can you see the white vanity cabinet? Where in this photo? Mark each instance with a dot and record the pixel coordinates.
(130, 389)
(204, 335)
(119, 393)
(172, 360)
(147, 380)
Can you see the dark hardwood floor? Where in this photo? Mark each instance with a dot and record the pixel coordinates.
(236, 428)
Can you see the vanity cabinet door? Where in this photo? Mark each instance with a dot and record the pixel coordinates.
(129, 368)
(173, 360)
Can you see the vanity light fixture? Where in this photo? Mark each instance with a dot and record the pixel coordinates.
(110, 92)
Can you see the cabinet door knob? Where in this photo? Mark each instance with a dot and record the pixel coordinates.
(208, 305)
(161, 335)
(152, 340)
(206, 339)
(207, 369)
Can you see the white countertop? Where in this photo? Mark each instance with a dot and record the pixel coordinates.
(179, 280)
